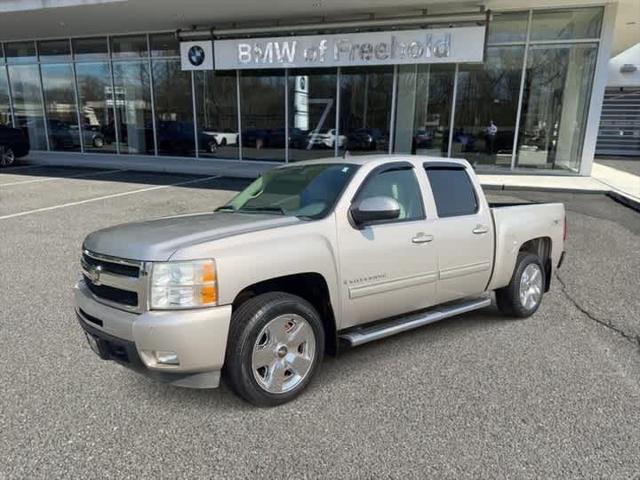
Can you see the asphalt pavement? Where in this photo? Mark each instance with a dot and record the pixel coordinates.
(476, 396)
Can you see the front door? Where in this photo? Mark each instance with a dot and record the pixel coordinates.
(388, 268)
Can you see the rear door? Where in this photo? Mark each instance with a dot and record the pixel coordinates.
(463, 234)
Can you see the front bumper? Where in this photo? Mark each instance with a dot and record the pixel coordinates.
(198, 337)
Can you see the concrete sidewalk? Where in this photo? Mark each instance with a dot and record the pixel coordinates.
(623, 185)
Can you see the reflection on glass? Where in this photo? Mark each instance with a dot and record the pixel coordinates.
(131, 46)
(263, 122)
(90, 48)
(54, 51)
(434, 94)
(5, 108)
(174, 109)
(164, 45)
(27, 103)
(365, 109)
(96, 107)
(555, 106)
(486, 108)
(133, 107)
(312, 114)
(508, 27)
(566, 24)
(60, 104)
(217, 112)
(20, 52)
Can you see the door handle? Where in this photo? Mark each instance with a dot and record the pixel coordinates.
(480, 229)
(422, 238)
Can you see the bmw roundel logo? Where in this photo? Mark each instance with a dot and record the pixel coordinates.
(196, 55)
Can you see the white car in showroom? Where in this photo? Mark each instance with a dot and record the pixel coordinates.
(326, 138)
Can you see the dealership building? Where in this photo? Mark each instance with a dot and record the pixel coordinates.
(511, 85)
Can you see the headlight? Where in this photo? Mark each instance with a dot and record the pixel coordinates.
(183, 284)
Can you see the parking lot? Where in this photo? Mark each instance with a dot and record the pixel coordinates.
(556, 395)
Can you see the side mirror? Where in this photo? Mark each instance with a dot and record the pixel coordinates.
(375, 209)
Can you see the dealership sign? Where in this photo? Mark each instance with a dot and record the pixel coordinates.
(196, 55)
(446, 45)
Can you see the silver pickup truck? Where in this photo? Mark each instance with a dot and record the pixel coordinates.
(310, 258)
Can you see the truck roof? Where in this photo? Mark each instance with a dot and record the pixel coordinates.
(380, 159)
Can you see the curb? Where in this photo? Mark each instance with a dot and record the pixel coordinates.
(515, 188)
(624, 200)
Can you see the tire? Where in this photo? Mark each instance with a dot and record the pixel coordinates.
(213, 146)
(529, 274)
(258, 333)
(7, 156)
(98, 142)
(223, 142)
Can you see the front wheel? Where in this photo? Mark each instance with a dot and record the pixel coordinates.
(7, 156)
(276, 344)
(523, 296)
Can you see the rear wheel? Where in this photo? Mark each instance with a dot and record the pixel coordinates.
(276, 343)
(522, 297)
(7, 156)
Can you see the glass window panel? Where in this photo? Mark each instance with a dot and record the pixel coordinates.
(90, 48)
(217, 113)
(566, 24)
(486, 108)
(60, 104)
(96, 106)
(5, 109)
(174, 109)
(54, 51)
(433, 109)
(263, 122)
(402, 186)
(164, 45)
(133, 46)
(555, 106)
(508, 27)
(312, 114)
(20, 52)
(27, 103)
(453, 192)
(133, 107)
(365, 109)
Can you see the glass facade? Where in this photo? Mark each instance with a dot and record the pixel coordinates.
(525, 107)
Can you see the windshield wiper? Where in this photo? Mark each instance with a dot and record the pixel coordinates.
(277, 210)
(225, 208)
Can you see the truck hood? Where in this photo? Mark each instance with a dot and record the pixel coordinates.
(157, 240)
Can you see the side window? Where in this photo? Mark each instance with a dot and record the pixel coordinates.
(453, 191)
(401, 185)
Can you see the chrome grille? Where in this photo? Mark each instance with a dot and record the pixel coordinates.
(117, 282)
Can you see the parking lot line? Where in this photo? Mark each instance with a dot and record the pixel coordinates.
(106, 197)
(79, 175)
(22, 167)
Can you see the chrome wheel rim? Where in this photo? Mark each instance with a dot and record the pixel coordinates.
(283, 353)
(7, 157)
(531, 286)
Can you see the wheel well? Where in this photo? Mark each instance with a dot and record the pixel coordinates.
(542, 248)
(310, 286)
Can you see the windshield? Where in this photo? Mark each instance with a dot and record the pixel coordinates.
(308, 191)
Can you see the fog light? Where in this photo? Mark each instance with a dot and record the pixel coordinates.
(167, 358)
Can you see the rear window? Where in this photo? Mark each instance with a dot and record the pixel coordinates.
(453, 191)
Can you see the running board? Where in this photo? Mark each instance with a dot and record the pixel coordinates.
(361, 335)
